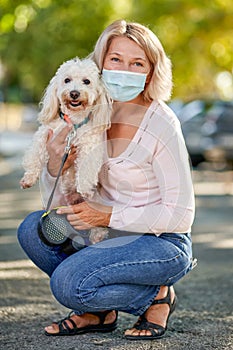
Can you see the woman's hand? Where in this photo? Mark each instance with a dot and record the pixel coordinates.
(86, 215)
(56, 148)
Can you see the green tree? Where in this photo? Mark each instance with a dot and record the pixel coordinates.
(36, 36)
(198, 36)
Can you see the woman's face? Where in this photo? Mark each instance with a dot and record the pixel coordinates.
(125, 54)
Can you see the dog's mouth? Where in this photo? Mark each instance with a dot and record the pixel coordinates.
(75, 103)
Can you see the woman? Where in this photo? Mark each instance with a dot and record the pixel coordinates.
(146, 198)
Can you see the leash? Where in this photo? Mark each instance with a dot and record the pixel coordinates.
(70, 137)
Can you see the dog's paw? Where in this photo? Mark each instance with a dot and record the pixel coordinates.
(73, 198)
(87, 194)
(27, 181)
(98, 234)
(24, 185)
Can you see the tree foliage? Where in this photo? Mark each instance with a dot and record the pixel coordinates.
(198, 35)
(36, 36)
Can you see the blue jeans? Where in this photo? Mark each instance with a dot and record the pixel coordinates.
(123, 273)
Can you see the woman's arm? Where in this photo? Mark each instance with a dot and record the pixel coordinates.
(55, 147)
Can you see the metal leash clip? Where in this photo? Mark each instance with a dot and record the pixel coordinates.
(69, 138)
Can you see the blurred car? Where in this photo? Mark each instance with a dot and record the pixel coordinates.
(208, 130)
(192, 118)
(219, 128)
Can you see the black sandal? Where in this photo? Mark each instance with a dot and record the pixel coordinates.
(156, 330)
(65, 329)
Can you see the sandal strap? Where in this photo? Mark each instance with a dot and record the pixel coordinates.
(67, 326)
(154, 328)
(146, 325)
(64, 327)
(166, 300)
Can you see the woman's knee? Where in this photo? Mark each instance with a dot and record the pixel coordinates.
(28, 227)
(62, 287)
(68, 285)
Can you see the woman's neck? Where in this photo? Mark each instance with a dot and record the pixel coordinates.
(128, 110)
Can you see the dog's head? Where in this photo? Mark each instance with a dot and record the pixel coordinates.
(75, 88)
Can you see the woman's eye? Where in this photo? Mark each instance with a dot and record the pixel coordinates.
(86, 81)
(138, 64)
(67, 80)
(115, 59)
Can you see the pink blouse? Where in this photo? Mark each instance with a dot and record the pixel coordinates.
(149, 184)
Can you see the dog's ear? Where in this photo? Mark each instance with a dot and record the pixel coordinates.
(49, 103)
(103, 108)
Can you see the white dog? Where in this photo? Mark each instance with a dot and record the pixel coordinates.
(76, 93)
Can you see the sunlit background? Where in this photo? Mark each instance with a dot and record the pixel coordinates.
(36, 36)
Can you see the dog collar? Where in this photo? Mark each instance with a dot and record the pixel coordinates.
(66, 118)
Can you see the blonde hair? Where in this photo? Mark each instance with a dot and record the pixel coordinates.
(160, 84)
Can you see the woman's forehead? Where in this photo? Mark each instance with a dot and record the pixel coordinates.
(123, 45)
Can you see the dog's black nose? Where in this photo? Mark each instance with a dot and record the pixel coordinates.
(74, 94)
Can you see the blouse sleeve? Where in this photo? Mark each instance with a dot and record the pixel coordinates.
(174, 212)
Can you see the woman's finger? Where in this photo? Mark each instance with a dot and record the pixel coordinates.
(50, 135)
(61, 136)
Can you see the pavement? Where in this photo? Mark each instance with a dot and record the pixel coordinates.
(204, 316)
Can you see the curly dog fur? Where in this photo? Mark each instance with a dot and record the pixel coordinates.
(76, 90)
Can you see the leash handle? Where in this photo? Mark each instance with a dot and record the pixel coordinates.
(69, 138)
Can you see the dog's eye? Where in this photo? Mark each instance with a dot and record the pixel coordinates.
(86, 81)
(67, 80)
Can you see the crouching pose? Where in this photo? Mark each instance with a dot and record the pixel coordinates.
(145, 199)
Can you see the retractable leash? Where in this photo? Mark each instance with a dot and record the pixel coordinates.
(69, 138)
(54, 229)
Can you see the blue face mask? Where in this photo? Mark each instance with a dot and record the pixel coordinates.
(123, 85)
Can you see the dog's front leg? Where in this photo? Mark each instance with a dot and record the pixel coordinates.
(35, 158)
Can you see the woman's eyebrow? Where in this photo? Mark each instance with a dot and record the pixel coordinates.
(119, 54)
(114, 53)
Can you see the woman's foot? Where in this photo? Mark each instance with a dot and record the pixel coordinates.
(156, 315)
(71, 325)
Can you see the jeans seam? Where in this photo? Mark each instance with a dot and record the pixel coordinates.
(180, 273)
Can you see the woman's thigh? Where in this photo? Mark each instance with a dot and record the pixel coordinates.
(145, 260)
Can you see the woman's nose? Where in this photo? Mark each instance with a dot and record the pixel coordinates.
(125, 66)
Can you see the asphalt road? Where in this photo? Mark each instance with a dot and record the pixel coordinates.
(204, 317)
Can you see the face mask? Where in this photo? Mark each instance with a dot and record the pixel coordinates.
(123, 85)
